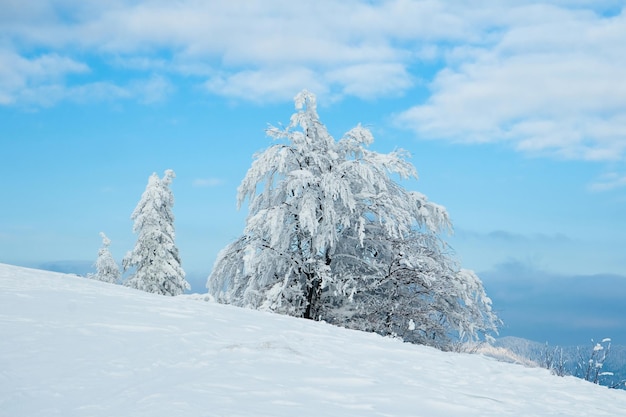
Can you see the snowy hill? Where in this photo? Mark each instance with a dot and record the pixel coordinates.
(75, 347)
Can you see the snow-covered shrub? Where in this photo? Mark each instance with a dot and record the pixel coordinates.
(590, 366)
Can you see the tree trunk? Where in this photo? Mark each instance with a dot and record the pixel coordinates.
(312, 299)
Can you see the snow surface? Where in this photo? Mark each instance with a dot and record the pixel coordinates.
(76, 347)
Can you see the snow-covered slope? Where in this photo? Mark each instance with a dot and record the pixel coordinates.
(74, 347)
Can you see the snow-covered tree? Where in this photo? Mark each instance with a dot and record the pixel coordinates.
(106, 267)
(155, 258)
(419, 293)
(326, 225)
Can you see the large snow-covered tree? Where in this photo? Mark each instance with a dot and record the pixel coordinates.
(155, 259)
(326, 224)
(106, 267)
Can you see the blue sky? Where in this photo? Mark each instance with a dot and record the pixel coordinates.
(515, 116)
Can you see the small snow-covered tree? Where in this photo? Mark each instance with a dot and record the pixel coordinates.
(326, 223)
(590, 366)
(106, 267)
(155, 258)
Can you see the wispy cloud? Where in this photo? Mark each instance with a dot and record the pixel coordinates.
(608, 182)
(512, 237)
(19, 75)
(152, 90)
(42, 82)
(264, 85)
(207, 182)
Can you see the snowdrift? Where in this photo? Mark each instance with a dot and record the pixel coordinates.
(76, 347)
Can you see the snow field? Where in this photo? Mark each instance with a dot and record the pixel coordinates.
(77, 347)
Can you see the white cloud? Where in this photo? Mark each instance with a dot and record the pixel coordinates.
(547, 78)
(551, 84)
(347, 46)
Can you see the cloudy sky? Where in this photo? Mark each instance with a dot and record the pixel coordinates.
(514, 112)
